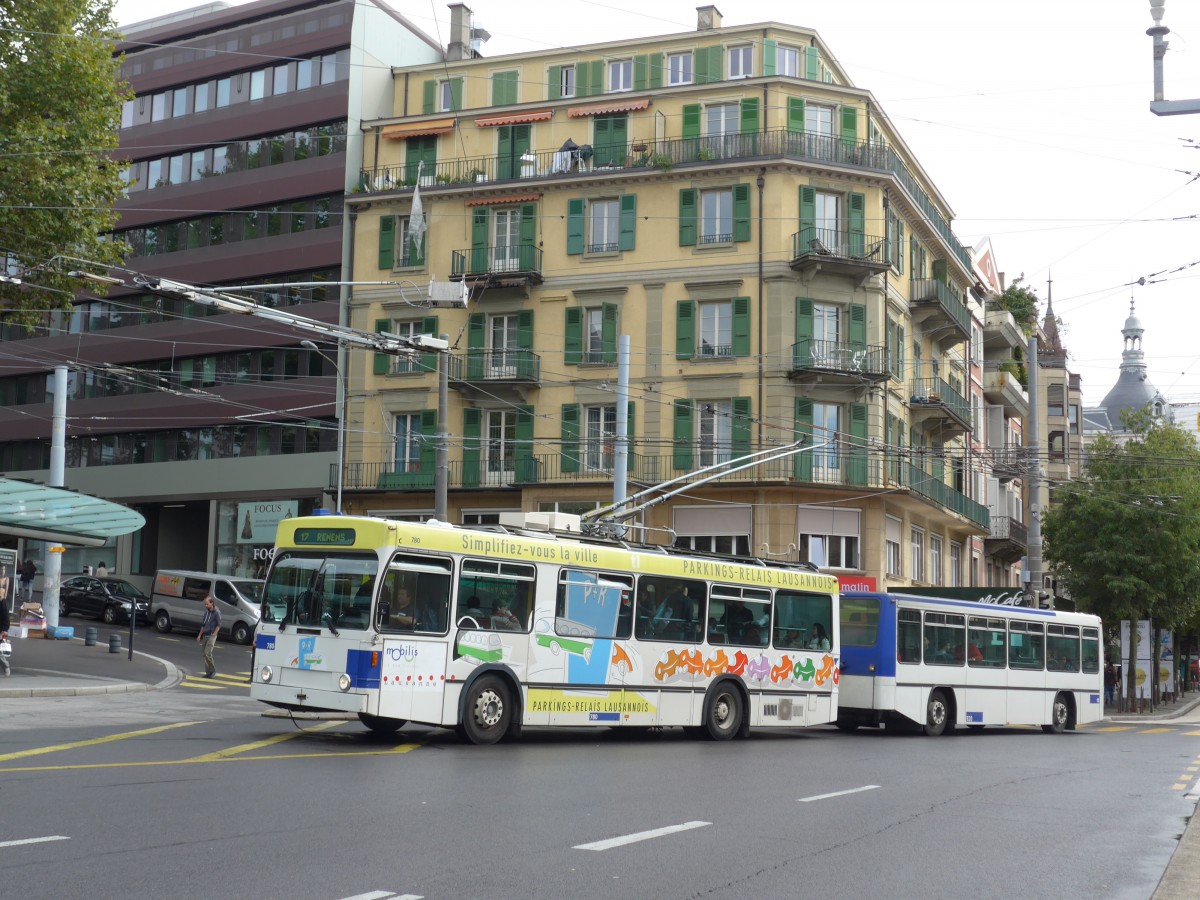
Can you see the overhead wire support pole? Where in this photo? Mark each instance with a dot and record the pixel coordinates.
(1158, 105)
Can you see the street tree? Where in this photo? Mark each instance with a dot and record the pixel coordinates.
(60, 111)
(1124, 539)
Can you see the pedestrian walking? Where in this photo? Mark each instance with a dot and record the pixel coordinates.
(28, 573)
(5, 646)
(1110, 683)
(210, 627)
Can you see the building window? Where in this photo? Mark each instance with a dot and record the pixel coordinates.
(158, 107)
(1073, 418)
(918, 555)
(408, 363)
(716, 216)
(566, 81)
(826, 427)
(741, 61)
(446, 95)
(500, 447)
(818, 120)
(935, 558)
(604, 220)
(599, 434)
(620, 75)
(722, 118)
(728, 544)
(892, 545)
(787, 61)
(715, 436)
(679, 68)
(258, 84)
(955, 564)
(224, 92)
(593, 323)
(1058, 445)
(716, 328)
(408, 443)
(832, 551)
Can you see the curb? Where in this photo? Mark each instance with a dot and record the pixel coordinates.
(174, 675)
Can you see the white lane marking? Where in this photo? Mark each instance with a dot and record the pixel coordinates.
(640, 836)
(384, 895)
(857, 790)
(41, 840)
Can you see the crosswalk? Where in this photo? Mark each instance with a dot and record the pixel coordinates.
(219, 682)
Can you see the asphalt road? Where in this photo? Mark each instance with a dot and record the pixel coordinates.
(194, 794)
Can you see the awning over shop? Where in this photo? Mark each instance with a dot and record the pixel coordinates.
(417, 129)
(541, 115)
(503, 201)
(604, 109)
(42, 513)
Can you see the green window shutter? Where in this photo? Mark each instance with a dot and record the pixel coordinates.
(769, 55)
(808, 216)
(900, 247)
(479, 240)
(387, 241)
(525, 343)
(472, 423)
(900, 350)
(683, 435)
(749, 115)
(476, 345)
(504, 152)
(528, 236)
(739, 430)
(708, 64)
(456, 90)
(858, 326)
(610, 140)
(570, 437)
(741, 326)
(795, 115)
(912, 257)
(691, 120)
(630, 421)
(524, 462)
(804, 352)
(504, 88)
(656, 70)
(741, 212)
(573, 336)
(428, 96)
(575, 226)
(685, 329)
(554, 83)
(811, 65)
(581, 80)
(596, 77)
(939, 270)
(802, 463)
(419, 150)
(627, 234)
(428, 452)
(849, 126)
(429, 325)
(641, 72)
(687, 217)
(857, 473)
(608, 332)
(856, 223)
(383, 361)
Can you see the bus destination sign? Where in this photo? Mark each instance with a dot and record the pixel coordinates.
(325, 537)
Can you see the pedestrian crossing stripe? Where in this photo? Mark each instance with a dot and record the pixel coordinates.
(1192, 733)
(1115, 728)
(217, 683)
(200, 684)
(1157, 731)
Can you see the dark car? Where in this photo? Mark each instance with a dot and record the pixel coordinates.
(105, 598)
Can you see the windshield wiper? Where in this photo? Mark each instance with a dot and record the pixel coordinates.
(307, 595)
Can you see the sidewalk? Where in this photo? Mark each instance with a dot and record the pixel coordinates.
(68, 668)
(1180, 706)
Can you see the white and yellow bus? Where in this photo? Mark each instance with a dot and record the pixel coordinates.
(490, 631)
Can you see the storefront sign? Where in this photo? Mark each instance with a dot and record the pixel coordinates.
(257, 521)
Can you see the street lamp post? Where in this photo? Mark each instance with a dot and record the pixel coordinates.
(1158, 105)
(341, 433)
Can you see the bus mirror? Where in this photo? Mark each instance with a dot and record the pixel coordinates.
(385, 613)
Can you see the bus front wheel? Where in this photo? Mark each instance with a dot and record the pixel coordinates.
(937, 714)
(487, 712)
(723, 712)
(1060, 713)
(381, 725)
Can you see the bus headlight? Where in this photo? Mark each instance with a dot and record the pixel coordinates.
(344, 682)
(265, 674)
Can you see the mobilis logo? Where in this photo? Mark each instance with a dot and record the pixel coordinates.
(402, 652)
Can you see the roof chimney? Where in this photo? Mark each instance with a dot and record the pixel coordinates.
(459, 45)
(707, 18)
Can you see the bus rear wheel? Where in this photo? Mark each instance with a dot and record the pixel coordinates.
(723, 713)
(381, 725)
(1060, 713)
(487, 712)
(937, 714)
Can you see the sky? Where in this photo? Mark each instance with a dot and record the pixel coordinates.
(1031, 118)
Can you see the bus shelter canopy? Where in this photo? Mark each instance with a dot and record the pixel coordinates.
(42, 513)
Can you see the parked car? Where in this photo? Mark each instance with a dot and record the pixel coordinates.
(178, 602)
(105, 598)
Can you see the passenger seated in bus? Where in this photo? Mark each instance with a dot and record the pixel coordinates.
(736, 619)
(974, 654)
(506, 620)
(817, 638)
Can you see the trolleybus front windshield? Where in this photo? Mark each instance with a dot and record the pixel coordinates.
(316, 589)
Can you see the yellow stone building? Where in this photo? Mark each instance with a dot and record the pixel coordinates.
(727, 199)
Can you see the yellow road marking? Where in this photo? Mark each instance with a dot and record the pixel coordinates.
(1116, 728)
(1182, 786)
(402, 748)
(1192, 733)
(200, 685)
(1156, 731)
(91, 742)
(258, 745)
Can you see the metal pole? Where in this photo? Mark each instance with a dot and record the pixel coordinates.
(341, 432)
(621, 461)
(1033, 449)
(441, 469)
(52, 576)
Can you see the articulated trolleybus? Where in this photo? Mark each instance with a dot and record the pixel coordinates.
(936, 663)
(489, 631)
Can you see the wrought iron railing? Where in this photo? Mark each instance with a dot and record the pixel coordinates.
(1006, 528)
(931, 291)
(495, 365)
(510, 259)
(832, 243)
(937, 392)
(838, 356)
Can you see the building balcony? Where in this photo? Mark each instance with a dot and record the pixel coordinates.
(937, 309)
(495, 367)
(663, 155)
(1008, 463)
(836, 252)
(1001, 333)
(1007, 539)
(1003, 388)
(831, 467)
(836, 362)
(934, 405)
(498, 266)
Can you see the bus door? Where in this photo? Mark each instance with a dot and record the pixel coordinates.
(986, 697)
(411, 613)
(493, 618)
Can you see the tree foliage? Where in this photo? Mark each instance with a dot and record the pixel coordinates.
(60, 111)
(1022, 302)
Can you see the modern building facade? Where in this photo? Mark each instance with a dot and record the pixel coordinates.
(783, 266)
(215, 426)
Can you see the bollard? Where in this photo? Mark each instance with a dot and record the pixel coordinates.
(114, 643)
(89, 637)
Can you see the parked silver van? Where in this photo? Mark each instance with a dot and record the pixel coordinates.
(178, 602)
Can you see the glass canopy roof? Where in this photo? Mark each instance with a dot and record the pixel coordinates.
(44, 513)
